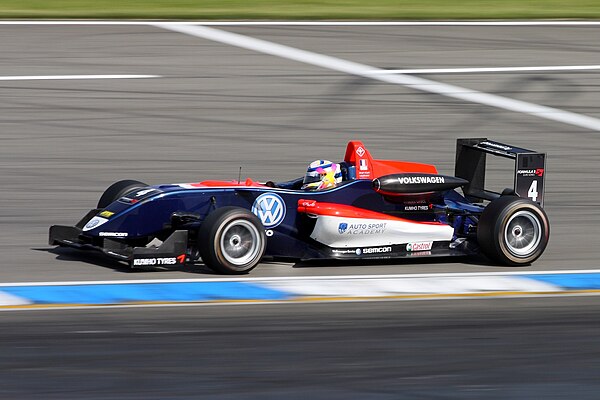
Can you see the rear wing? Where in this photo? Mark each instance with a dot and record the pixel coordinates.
(529, 173)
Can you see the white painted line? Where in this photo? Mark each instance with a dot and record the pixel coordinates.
(70, 77)
(400, 286)
(301, 278)
(310, 23)
(7, 299)
(370, 72)
(498, 69)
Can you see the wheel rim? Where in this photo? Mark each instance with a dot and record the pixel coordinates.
(522, 234)
(240, 242)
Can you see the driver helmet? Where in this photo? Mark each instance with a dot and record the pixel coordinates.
(322, 174)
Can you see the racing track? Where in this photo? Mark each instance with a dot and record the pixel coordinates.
(483, 349)
(216, 107)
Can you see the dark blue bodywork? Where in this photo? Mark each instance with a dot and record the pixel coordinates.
(151, 215)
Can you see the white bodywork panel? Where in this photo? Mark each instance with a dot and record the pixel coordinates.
(357, 232)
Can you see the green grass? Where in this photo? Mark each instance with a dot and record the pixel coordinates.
(301, 9)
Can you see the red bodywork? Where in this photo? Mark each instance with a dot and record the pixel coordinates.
(368, 168)
(356, 155)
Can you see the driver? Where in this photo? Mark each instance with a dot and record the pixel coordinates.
(322, 174)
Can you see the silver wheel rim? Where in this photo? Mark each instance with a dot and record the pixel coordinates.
(523, 233)
(240, 242)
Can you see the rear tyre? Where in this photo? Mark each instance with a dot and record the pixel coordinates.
(513, 231)
(117, 190)
(232, 240)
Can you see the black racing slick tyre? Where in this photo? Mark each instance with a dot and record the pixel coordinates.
(232, 240)
(513, 231)
(117, 190)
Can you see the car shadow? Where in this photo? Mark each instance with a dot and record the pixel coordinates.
(474, 260)
(101, 260)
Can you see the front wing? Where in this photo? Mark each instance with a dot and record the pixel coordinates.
(173, 251)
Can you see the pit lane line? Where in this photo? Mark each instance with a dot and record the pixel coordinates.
(370, 72)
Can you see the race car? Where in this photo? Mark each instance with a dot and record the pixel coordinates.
(358, 209)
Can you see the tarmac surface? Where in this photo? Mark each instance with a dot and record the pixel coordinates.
(218, 107)
(469, 349)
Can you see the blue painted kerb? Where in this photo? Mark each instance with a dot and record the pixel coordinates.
(143, 292)
(575, 281)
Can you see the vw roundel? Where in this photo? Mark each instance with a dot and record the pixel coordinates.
(270, 208)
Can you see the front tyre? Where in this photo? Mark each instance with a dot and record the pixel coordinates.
(513, 231)
(232, 240)
(117, 190)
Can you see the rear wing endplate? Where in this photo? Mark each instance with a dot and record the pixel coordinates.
(529, 172)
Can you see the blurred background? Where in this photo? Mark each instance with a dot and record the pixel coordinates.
(300, 9)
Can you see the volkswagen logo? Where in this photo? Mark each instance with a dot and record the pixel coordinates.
(270, 208)
(92, 223)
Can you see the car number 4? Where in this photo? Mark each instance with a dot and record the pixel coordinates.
(532, 193)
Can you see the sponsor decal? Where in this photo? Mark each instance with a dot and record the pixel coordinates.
(363, 166)
(364, 174)
(496, 146)
(363, 251)
(94, 223)
(419, 246)
(114, 234)
(106, 214)
(420, 253)
(308, 203)
(377, 250)
(343, 251)
(418, 208)
(136, 197)
(157, 261)
(363, 229)
(531, 172)
(360, 151)
(412, 180)
(342, 227)
(270, 208)
(144, 192)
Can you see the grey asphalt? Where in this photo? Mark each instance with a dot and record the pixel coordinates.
(469, 349)
(218, 107)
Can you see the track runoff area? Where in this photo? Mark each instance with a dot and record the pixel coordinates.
(18, 296)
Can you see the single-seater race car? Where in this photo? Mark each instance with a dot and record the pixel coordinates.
(375, 209)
